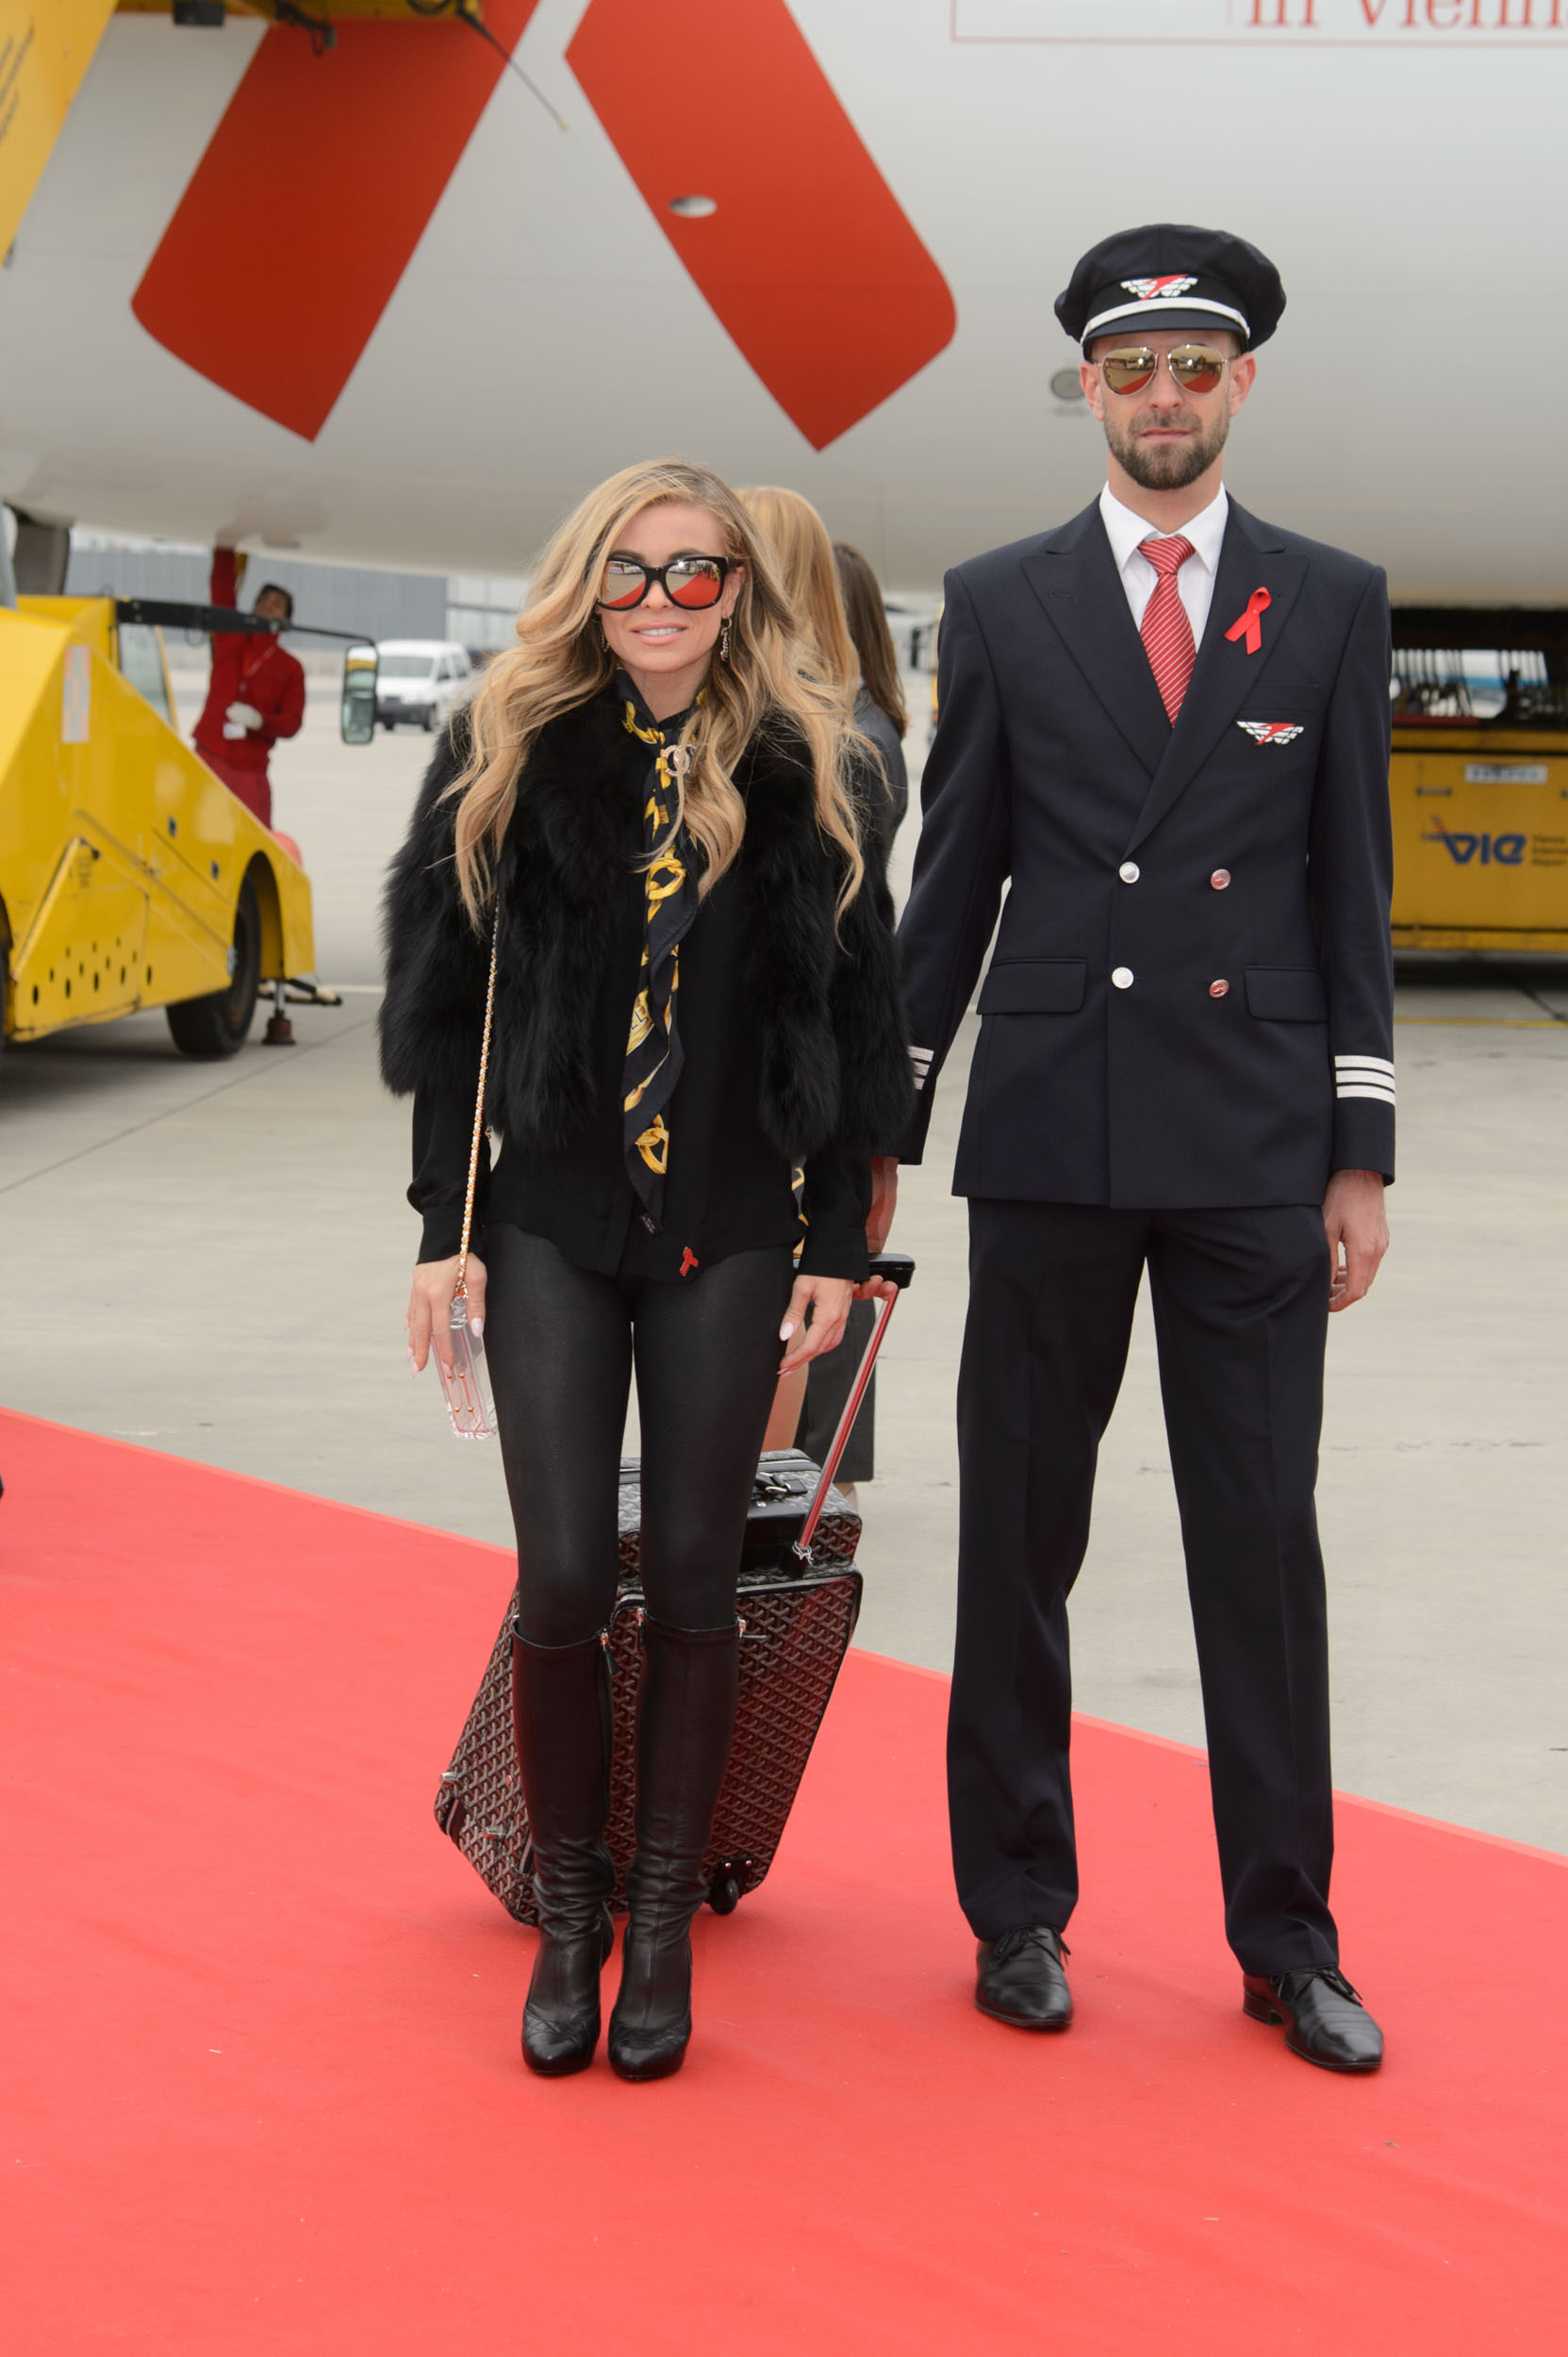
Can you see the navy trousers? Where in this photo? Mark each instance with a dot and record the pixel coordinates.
(1241, 1303)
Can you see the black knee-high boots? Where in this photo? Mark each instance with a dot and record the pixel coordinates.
(686, 1719)
(561, 1713)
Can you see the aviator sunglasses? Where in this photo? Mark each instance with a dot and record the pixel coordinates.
(688, 581)
(1193, 367)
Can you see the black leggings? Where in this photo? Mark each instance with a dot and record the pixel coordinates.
(561, 1342)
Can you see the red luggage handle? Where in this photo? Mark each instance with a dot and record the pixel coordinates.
(899, 1269)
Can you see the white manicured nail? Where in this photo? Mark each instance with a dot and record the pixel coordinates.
(786, 1331)
(476, 1325)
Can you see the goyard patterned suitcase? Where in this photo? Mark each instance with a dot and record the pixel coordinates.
(798, 1616)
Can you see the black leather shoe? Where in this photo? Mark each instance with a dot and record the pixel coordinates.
(685, 1718)
(1021, 1981)
(1325, 2021)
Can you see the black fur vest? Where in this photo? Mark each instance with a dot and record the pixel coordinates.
(827, 1006)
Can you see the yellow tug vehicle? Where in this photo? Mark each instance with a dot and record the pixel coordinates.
(1479, 778)
(130, 877)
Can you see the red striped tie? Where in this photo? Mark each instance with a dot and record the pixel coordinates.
(1168, 634)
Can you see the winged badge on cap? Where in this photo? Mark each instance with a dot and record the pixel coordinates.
(1272, 732)
(1148, 289)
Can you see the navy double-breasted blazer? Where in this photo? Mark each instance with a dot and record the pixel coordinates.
(1190, 1001)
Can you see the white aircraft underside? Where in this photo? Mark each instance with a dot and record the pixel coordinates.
(1406, 176)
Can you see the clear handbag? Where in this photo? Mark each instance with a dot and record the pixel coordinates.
(468, 1387)
(468, 1400)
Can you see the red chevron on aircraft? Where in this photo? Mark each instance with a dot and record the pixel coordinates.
(830, 296)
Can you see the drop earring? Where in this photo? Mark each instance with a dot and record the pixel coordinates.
(724, 640)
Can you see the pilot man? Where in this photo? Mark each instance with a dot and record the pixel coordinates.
(1165, 730)
(256, 695)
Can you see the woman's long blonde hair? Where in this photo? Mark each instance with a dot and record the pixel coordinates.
(804, 551)
(560, 661)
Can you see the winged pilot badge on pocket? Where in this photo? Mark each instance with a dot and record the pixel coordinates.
(1272, 732)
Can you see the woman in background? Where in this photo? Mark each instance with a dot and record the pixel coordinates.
(839, 614)
(880, 713)
(881, 717)
(810, 577)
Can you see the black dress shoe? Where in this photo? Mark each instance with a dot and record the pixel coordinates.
(1021, 1981)
(1325, 2020)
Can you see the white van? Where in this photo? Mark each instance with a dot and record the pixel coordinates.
(419, 680)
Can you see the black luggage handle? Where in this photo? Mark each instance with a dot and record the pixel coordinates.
(899, 1270)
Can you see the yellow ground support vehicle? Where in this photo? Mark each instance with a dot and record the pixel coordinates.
(129, 875)
(1479, 778)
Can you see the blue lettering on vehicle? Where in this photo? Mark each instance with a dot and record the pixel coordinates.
(1504, 850)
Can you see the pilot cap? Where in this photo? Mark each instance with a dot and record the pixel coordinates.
(1168, 275)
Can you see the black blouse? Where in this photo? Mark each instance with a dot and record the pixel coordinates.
(728, 1190)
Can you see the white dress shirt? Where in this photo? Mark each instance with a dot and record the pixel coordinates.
(1195, 583)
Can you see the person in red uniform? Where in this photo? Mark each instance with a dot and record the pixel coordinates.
(256, 693)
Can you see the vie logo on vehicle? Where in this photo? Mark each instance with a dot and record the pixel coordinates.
(1487, 850)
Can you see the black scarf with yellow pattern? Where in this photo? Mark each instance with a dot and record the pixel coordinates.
(653, 1056)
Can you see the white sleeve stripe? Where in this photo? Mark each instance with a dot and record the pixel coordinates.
(1368, 1063)
(919, 1083)
(1381, 1097)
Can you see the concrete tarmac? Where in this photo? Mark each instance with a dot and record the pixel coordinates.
(212, 1259)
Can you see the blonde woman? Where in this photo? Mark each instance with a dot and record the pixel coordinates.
(800, 541)
(650, 805)
(843, 623)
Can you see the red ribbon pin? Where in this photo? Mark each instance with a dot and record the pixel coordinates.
(1250, 624)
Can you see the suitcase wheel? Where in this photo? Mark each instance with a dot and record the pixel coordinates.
(724, 1890)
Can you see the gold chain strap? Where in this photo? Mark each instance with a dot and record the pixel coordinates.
(460, 1290)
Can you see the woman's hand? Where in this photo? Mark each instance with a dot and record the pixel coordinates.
(876, 1288)
(430, 1307)
(828, 1299)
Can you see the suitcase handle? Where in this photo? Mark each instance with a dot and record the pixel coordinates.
(899, 1270)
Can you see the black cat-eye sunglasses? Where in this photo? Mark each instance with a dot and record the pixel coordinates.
(688, 581)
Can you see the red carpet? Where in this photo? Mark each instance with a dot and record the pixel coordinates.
(262, 2090)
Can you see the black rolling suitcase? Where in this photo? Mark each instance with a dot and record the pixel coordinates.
(799, 1601)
